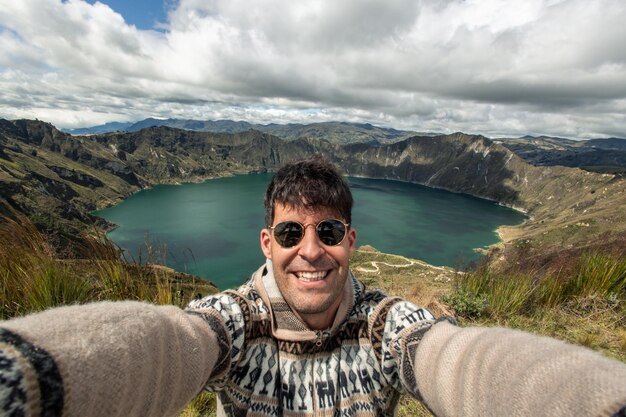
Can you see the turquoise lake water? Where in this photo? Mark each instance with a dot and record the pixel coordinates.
(212, 229)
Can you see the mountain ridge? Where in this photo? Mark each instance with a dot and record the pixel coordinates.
(567, 206)
(599, 155)
(337, 132)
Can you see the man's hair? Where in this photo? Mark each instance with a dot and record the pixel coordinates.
(309, 184)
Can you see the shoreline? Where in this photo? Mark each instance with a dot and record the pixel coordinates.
(507, 234)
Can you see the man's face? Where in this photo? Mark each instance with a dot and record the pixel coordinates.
(310, 275)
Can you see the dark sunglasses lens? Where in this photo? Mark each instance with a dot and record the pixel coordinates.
(288, 234)
(331, 232)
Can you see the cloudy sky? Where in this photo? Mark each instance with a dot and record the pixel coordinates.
(494, 67)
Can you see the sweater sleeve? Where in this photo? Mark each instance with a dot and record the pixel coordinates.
(104, 359)
(405, 324)
(226, 317)
(504, 372)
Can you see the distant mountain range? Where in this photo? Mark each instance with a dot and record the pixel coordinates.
(600, 155)
(334, 132)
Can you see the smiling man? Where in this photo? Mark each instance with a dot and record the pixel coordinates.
(309, 275)
(303, 337)
(310, 268)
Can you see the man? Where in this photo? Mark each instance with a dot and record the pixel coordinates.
(302, 337)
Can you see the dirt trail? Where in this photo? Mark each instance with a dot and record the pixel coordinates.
(411, 262)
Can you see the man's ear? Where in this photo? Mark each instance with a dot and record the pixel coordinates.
(352, 240)
(266, 243)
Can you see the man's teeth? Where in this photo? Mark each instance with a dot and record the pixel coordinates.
(311, 276)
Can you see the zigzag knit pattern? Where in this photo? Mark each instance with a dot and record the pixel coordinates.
(22, 365)
(355, 370)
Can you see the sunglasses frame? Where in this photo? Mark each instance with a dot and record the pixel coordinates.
(304, 226)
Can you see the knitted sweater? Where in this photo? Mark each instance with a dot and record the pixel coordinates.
(135, 359)
(277, 366)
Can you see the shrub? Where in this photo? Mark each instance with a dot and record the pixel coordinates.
(466, 304)
(595, 278)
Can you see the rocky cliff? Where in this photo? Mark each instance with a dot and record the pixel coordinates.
(568, 207)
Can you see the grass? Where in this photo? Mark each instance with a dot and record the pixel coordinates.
(204, 405)
(598, 278)
(582, 301)
(33, 276)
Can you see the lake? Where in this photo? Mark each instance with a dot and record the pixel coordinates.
(211, 229)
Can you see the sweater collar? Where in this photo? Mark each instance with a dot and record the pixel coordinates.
(286, 323)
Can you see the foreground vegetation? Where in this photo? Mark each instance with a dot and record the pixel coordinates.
(580, 299)
(34, 276)
(583, 304)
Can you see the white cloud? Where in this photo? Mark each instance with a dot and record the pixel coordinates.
(480, 66)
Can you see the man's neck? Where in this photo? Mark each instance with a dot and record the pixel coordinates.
(323, 320)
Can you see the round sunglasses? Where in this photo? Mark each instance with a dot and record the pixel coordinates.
(330, 232)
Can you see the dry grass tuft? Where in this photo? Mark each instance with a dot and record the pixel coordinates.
(204, 405)
(621, 340)
(34, 277)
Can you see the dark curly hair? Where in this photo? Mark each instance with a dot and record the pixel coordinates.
(309, 183)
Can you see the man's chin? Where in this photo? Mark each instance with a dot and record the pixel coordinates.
(309, 308)
(309, 301)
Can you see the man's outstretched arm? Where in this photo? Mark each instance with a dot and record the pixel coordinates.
(105, 359)
(503, 372)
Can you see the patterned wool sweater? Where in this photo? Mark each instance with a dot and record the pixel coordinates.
(277, 366)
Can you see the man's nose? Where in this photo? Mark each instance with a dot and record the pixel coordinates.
(311, 247)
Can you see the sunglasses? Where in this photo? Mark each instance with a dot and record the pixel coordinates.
(330, 232)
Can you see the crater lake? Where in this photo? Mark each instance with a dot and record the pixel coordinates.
(212, 229)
